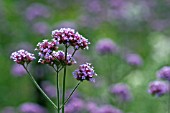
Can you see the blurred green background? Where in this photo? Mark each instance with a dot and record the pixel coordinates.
(140, 27)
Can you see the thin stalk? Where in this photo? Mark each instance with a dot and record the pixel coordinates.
(57, 86)
(74, 52)
(168, 97)
(71, 94)
(38, 87)
(64, 81)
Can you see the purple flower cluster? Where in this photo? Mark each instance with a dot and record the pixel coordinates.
(121, 91)
(93, 108)
(74, 106)
(22, 57)
(164, 73)
(18, 70)
(69, 37)
(106, 46)
(45, 49)
(158, 88)
(32, 108)
(108, 109)
(85, 72)
(37, 10)
(134, 59)
(60, 56)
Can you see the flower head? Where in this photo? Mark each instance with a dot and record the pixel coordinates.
(158, 88)
(109, 109)
(164, 73)
(69, 37)
(85, 72)
(121, 91)
(37, 10)
(106, 46)
(45, 49)
(18, 70)
(133, 59)
(74, 106)
(60, 56)
(32, 108)
(22, 57)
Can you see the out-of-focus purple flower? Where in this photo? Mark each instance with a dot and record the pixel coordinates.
(69, 37)
(18, 70)
(41, 28)
(164, 73)
(60, 56)
(8, 110)
(85, 72)
(37, 10)
(117, 3)
(74, 106)
(31, 108)
(66, 24)
(106, 46)
(45, 49)
(91, 107)
(22, 57)
(121, 91)
(108, 109)
(134, 59)
(49, 89)
(94, 6)
(158, 88)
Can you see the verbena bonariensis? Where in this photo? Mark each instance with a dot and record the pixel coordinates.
(49, 53)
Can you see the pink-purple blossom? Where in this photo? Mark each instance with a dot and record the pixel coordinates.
(22, 56)
(45, 49)
(69, 37)
(108, 109)
(31, 108)
(158, 88)
(18, 70)
(164, 73)
(60, 56)
(106, 46)
(74, 106)
(134, 59)
(85, 72)
(121, 91)
(37, 10)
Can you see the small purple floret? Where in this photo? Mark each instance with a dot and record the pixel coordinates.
(158, 88)
(85, 72)
(121, 91)
(164, 73)
(22, 56)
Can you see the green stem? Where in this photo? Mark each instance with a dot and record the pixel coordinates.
(71, 94)
(57, 86)
(74, 52)
(64, 81)
(36, 84)
(168, 97)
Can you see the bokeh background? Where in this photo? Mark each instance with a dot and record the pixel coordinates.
(134, 35)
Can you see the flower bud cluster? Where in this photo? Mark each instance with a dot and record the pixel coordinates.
(158, 88)
(45, 49)
(85, 72)
(69, 37)
(164, 73)
(60, 56)
(121, 91)
(22, 57)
